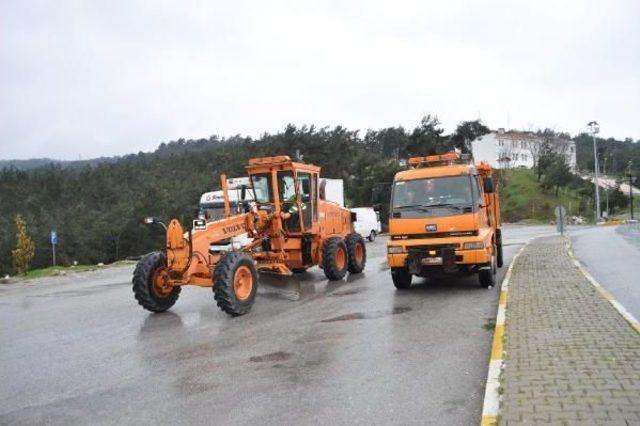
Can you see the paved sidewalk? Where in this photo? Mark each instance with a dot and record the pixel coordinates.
(570, 357)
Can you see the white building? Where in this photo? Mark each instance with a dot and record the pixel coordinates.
(502, 149)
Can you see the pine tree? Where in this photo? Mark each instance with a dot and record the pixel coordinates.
(25, 248)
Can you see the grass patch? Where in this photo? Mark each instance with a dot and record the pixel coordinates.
(55, 270)
(524, 200)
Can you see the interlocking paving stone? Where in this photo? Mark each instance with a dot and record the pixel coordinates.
(570, 357)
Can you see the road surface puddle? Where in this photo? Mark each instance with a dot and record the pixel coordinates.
(274, 356)
(348, 292)
(369, 315)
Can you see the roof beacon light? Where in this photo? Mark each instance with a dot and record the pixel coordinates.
(439, 160)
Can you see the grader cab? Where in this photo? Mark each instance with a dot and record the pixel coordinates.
(290, 226)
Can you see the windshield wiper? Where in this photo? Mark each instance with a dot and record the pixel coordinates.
(455, 206)
(412, 206)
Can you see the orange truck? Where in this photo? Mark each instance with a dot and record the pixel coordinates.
(444, 219)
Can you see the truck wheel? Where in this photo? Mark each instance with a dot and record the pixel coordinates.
(334, 258)
(499, 256)
(151, 283)
(357, 253)
(372, 236)
(235, 283)
(401, 278)
(488, 276)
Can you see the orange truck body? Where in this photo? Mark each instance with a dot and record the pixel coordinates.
(452, 224)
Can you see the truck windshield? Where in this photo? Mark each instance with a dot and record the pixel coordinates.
(442, 196)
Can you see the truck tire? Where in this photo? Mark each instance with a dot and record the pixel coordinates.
(487, 277)
(235, 283)
(401, 278)
(149, 283)
(334, 258)
(499, 256)
(372, 236)
(357, 253)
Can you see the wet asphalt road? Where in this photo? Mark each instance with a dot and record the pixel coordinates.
(78, 349)
(612, 255)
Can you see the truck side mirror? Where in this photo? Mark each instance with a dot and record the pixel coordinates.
(488, 185)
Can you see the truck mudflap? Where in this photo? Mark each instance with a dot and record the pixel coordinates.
(442, 258)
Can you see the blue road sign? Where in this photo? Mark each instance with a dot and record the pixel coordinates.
(54, 237)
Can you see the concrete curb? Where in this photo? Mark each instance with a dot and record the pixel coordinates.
(491, 404)
(633, 322)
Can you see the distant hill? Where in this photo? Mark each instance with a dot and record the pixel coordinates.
(33, 163)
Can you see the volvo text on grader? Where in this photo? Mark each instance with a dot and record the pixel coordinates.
(291, 229)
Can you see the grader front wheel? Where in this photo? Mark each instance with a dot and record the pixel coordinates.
(151, 285)
(235, 283)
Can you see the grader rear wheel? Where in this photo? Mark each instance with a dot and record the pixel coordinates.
(151, 285)
(357, 253)
(334, 258)
(235, 283)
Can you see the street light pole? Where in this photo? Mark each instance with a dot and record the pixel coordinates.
(594, 128)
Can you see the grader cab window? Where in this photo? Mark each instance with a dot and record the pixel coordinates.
(288, 204)
(304, 189)
(262, 188)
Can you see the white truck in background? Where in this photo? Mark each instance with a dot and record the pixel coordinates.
(332, 190)
(211, 208)
(367, 222)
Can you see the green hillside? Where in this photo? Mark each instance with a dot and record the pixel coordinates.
(523, 198)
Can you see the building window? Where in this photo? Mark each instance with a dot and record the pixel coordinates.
(515, 156)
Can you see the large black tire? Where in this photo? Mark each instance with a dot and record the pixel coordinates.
(499, 256)
(487, 277)
(143, 287)
(372, 236)
(357, 253)
(231, 296)
(401, 278)
(334, 258)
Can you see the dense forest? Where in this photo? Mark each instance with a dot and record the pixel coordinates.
(97, 206)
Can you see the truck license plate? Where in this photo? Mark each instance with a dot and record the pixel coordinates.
(432, 260)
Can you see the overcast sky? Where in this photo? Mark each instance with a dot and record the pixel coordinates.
(99, 78)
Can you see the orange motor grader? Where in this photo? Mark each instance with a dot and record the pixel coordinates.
(290, 228)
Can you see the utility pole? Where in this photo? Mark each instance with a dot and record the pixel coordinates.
(630, 191)
(594, 128)
(606, 188)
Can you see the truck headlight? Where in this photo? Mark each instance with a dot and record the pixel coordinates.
(473, 245)
(394, 249)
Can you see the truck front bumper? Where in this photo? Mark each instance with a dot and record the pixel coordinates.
(452, 252)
